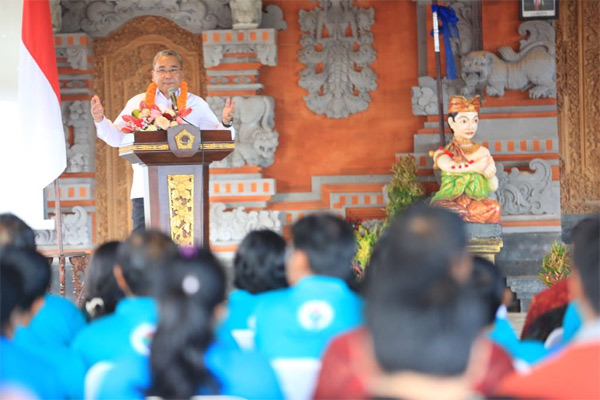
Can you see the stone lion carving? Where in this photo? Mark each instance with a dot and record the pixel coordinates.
(533, 69)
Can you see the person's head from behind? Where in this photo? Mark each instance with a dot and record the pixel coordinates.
(190, 295)
(418, 312)
(101, 290)
(323, 244)
(259, 263)
(11, 295)
(425, 248)
(15, 232)
(35, 274)
(488, 283)
(585, 282)
(138, 256)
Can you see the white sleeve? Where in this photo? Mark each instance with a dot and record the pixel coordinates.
(111, 132)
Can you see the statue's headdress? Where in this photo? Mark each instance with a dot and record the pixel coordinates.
(462, 104)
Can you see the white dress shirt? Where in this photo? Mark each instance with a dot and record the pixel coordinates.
(201, 116)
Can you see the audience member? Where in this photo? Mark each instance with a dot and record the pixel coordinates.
(128, 329)
(299, 321)
(184, 361)
(572, 373)
(259, 266)
(22, 370)
(422, 318)
(58, 320)
(101, 292)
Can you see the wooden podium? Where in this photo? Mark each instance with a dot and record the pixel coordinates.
(177, 171)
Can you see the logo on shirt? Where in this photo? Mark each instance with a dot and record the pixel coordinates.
(141, 338)
(315, 315)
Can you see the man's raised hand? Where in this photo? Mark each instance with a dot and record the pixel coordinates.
(97, 109)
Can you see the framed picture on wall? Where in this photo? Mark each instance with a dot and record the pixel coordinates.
(538, 9)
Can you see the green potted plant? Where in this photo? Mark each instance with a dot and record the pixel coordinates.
(556, 265)
(403, 191)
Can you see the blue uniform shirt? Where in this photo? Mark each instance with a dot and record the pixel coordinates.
(58, 321)
(23, 370)
(128, 330)
(243, 374)
(299, 321)
(240, 316)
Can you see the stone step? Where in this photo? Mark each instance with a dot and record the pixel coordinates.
(525, 287)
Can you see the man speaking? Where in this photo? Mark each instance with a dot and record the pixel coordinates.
(168, 90)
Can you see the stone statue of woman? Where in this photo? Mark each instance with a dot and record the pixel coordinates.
(468, 169)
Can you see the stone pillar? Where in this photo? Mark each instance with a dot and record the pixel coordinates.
(77, 183)
(233, 59)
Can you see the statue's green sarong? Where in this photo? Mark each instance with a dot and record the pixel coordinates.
(472, 184)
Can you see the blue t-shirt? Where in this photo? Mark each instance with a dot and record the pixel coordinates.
(530, 351)
(243, 374)
(128, 330)
(19, 369)
(240, 316)
(572, 322)
(58, 321)
(299, 322)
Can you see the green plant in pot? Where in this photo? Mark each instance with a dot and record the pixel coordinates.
(556, 265)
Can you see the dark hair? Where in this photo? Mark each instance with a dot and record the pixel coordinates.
(16, 233)
(586, 257)
(420, 317)
(100, 282)
(141, 251)
(11, 293)
(419, 249)
(259, 263)
(192, 290)
(329, 244)
(34, 269)
(488, 283)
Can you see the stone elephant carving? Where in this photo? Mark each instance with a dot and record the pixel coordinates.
(532, 69)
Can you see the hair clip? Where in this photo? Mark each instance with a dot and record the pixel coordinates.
(90, 305)
(190, 284)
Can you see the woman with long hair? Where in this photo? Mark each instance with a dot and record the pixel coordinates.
(184, 359)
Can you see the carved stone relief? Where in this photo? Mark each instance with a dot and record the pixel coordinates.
(256, 140)
(525, 192)
(533, 68)
(424, 97)
(122, 62)
(56, 15)
(234, 225)
(75, 230)
(246, 14)
(337, 51)
(578, 81)
(100, 17)
(266, 51)
(80, 155)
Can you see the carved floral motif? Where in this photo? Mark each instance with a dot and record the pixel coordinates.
(181, 208)
(337, 51)
(526, 192)
(234, 225)
(75, 230)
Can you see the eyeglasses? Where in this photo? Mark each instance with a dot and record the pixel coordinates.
(163, 72)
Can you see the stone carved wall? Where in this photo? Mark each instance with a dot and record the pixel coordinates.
(232, 226)
(80, 155)
(98, 18)
(75, 230)
(337, 74)
(256, 140)
(523, 193)
(122, 69)
(533, 68)
(578, 82)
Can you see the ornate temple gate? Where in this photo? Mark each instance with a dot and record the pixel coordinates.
(122, 63)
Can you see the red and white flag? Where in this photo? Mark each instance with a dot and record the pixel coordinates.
(33, 146)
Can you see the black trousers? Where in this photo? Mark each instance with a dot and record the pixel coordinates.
(137, 214)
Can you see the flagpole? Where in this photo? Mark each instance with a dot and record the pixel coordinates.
(59, 238)
(438, 68)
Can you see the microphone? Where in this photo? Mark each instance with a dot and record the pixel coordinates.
(173, 98)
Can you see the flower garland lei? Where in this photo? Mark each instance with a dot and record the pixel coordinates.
(181, 99)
